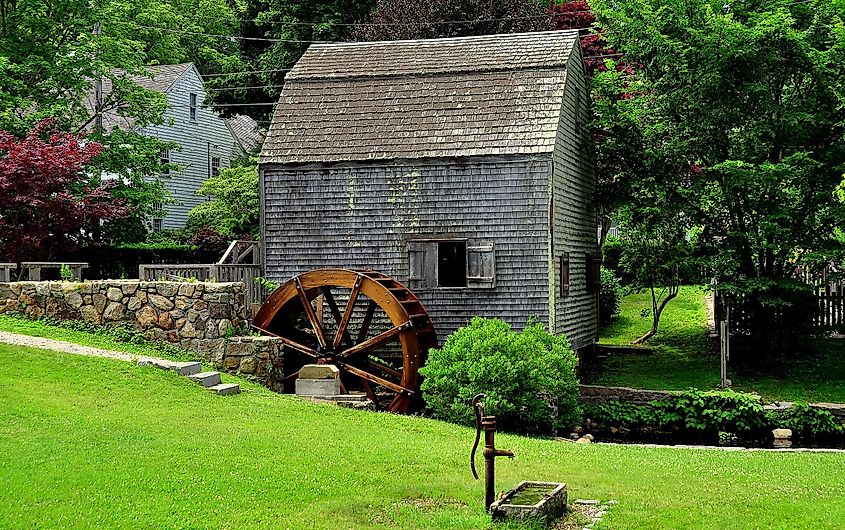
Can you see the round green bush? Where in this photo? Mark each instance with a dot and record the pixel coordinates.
(610, 296)
(528, 376)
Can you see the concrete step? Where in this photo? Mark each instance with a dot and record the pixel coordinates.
(225, 389)
(206, 379)
(187, 368)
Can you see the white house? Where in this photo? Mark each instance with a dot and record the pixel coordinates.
(208, 142)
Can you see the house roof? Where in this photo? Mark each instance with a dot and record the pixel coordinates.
(467, 96)
(161, 79)
(246, 132)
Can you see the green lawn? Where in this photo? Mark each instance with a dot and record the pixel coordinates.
(683, 357)
(88, 442)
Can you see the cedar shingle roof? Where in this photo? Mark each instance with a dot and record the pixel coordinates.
(489, 95)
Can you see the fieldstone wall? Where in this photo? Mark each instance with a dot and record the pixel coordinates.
(182, 313)
(259, 358)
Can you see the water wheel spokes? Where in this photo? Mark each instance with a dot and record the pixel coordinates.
(382, 359)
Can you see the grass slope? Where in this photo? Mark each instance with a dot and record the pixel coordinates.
(88, 442)
(683, 356)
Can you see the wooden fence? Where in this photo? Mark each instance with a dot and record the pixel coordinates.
(254, 292)
(828, 311)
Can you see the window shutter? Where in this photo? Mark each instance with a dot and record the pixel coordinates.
(593, 264)
(564, 274)
(422, 264)
(481, 266)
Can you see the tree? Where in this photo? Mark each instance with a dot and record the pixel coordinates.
(50, 59)
(738, 121)
(275, 35)
(49, 202)
(427, 19)
(234, 208)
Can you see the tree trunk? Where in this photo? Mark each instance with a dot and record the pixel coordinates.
(657, 307)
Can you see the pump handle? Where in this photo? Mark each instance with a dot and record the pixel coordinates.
(479, 412)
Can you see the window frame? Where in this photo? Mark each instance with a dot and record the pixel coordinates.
(216, 164)
(164, 159)
(424, 263)
(192, 106)
(157, 224)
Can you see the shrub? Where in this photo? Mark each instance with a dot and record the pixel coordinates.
(610, 296)
(807, 422)
(696, 411)
(529, 377)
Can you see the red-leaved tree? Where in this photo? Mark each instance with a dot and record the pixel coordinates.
(49, 204)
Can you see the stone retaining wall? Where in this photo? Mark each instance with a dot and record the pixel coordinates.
(198, 316)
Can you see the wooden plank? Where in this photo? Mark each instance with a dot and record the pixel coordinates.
(347, 313)
(377, 341)
(310, 314)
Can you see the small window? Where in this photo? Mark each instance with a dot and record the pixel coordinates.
(450, 263)
(215, 166)
(158, 207)
(165, 160)
(157, 225)
(192, 107)
(564, 274)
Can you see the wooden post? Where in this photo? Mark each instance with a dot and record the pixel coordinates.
(725, 347)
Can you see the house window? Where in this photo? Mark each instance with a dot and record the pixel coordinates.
(564, 274)
(215, 166)
(452, 263)
(165, 160)
(158, 207)
(192, 107)
(157, 224)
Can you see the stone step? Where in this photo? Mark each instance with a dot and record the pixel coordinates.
(225, 389)
(187, 368)
(206, 379)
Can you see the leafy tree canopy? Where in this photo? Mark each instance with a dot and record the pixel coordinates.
(234, 208)
(733, 115)
(49, 203)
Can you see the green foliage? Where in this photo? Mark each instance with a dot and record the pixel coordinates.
(807, 422)
(610, 296)
(528, 377)
(715, 413)
(720, 410)
(65, 273)
(266, 284)
(234, 208)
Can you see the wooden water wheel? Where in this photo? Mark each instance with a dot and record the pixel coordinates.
(378, 338)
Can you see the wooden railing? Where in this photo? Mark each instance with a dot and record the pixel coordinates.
(254, 292)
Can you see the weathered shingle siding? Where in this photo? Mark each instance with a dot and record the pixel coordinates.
(200, 140)
(574, 213)
(360, 216)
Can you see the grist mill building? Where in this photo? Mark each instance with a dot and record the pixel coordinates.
(459, 166)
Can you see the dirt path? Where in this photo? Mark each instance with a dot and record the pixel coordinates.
(16, 339)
